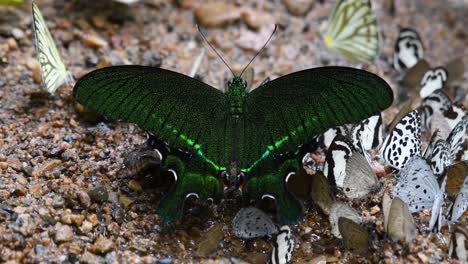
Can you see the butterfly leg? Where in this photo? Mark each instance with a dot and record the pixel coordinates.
(273, 184)
(187, 184)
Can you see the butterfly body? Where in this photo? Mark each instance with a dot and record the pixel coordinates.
(233, 138)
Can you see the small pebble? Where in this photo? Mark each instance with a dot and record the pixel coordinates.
(102, 246)
(63, 233)
(298, 7)
(99, 194)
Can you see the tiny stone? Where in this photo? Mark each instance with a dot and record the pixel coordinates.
(98, 194)
(102, 246)
(86, 227)
(63, 233)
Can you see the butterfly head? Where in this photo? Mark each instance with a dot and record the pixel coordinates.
(233, 182)
(237, 85)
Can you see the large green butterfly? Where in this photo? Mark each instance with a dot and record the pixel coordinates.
(234, 132)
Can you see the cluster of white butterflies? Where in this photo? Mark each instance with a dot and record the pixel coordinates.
(347, 160)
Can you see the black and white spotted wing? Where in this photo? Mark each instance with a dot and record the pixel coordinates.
(251, 222)
(368, 132)
(433, 79)
(419, 189)
(408, 49)
(336, 159)
(283, 247)
(403, 142)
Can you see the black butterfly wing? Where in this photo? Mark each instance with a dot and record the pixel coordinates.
(287, 112)
(178, 109)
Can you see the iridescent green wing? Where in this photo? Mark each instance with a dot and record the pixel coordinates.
(287, 112)
(177, 109)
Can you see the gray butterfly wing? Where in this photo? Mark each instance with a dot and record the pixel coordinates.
(339, 210)
(400, 225)
(251, 222)
(360, 179)
(418, 186)
(461, 203)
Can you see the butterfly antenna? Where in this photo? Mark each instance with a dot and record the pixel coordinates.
(264, 45)
(211, 46)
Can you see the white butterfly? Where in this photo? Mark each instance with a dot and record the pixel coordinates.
(408, 49)
(352, 30)
(326, 138)
(419, 189)
(336, 159)
(461, 203)
(283, 247)
(458, 137)
(454, 115)
(54, 73)
(368, 132)
(439, 102)
(403, 142)
(432, 80)
(439, 156)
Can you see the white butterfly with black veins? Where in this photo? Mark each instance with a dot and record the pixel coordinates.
(360, 179)
(438, 102)
(283, 247)
(326, 138)
(439, 156)
(455, 115)
(353, 31)
(433, 79)
(54, 73)
(458, 137)
(368, 132)
(408, 49)
(403, 142)
(419, 189)
(461, 203)
(251, 222)
(336, 159)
